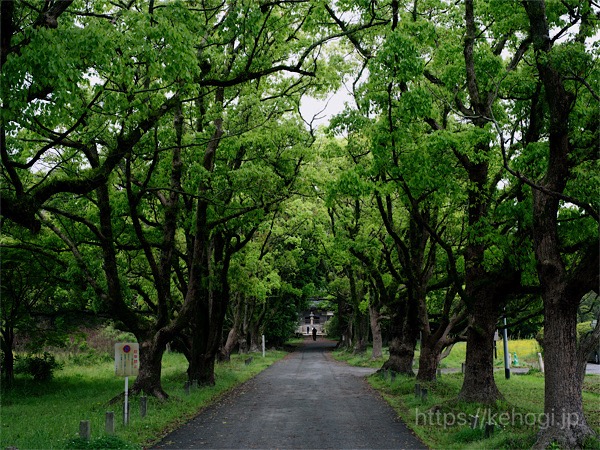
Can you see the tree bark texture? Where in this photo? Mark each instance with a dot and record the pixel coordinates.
(210, 313)
(429, 359)
(8, 363)
(403, 340)
(479, 384)
(375, 321)
(150, 369)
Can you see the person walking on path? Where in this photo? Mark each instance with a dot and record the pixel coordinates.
(314, 334)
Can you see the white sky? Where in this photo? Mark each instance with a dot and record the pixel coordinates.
(321, 111)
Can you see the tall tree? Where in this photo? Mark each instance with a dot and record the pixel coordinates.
(571, 148)
(110, 100)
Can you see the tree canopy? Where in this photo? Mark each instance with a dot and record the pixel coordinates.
(155, 166)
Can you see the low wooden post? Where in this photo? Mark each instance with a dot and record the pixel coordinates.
(85, 430)
(110, 422)
(417, 390)
(143, 406)
(424, 395)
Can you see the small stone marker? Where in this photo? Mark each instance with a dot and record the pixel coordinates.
(110, 422)
(194, 384)
(439, 373)
(417, 390)
(186, 387)
(424, 395)
(143, 406)
(85, 430)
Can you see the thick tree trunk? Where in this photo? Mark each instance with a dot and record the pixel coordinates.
(8, 364)
(254, 340)
(563, 406)
(148, 379)
(203, 358)
(563, 399)
(205, 370)
(203, 354)
(345, 311)
(429, 359)
(404, 333)
(208, 326)
(375, 318)
(362, 338)
(232, 340)
(234, 335)
(479, 384)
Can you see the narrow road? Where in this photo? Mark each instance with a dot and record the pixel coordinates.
(305, 401)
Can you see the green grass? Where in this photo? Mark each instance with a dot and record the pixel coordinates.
(46, 415)
(441, 422)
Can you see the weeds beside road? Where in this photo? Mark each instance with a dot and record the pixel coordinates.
(441, 422)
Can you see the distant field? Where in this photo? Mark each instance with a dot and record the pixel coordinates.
(526, 350)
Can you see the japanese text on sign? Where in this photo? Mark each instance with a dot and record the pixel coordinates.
(127, 359)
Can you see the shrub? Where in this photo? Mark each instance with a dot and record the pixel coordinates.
(41, 368)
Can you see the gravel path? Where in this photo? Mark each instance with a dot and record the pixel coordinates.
(305, 401)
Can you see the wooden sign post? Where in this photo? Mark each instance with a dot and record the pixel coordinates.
(127, 363)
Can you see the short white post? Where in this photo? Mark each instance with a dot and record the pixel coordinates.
(126, 407)
(541, 361)
(263, 345)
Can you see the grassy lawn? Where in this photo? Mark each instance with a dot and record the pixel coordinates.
(441, 422)
(47, 415)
